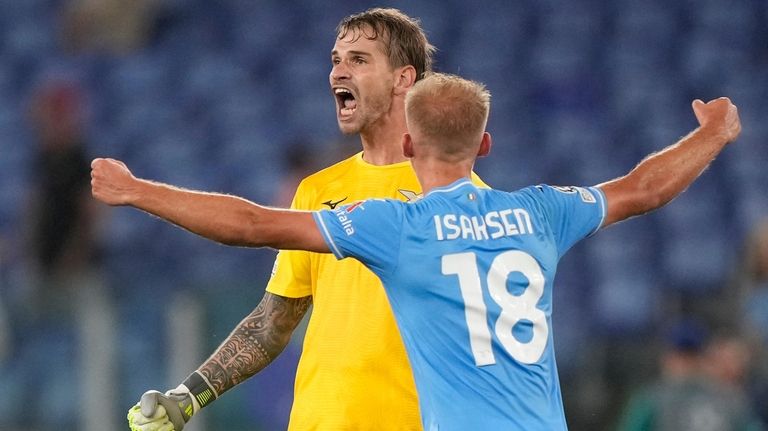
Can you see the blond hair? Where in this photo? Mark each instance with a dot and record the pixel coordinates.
(402, 36)
(449, 111)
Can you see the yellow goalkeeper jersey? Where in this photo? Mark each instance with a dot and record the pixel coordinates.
(353, 373)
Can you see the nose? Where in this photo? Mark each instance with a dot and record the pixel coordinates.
(339, 71)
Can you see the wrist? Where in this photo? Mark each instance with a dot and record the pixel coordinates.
(719, 134)
(199, 390)
(141, 193)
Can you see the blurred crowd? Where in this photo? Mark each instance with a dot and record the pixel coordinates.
(658, 320)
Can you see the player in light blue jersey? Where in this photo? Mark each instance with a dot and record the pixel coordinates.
(469, 275)
(469, 272)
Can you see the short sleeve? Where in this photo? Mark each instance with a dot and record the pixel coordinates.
(292, 272)
(369, 231)
(573, 212)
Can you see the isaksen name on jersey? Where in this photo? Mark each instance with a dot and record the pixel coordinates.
(492, 225)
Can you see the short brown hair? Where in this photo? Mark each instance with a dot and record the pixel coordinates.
(449, 110)
(402, 36)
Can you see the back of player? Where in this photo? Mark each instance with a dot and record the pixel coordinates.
(469, 274)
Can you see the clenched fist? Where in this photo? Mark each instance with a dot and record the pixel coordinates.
(719, 114)
(112, 182)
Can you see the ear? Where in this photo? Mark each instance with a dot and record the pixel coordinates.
(485, 145)
(404, 79)
(407, 145)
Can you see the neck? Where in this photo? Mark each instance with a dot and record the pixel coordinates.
(382, 140)
(434, 173)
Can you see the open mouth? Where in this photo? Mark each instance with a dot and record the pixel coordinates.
(345, 101)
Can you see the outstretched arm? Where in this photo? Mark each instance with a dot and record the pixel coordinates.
(223, 218)
(662, 176)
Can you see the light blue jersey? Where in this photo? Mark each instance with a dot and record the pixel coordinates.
(469, 276)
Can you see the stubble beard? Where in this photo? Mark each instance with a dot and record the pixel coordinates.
(371, 119)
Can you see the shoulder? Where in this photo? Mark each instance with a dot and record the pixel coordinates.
(530, 192)
(586, 194)
(311, 184)
(379, 211)
(387, 204)
(330, 173)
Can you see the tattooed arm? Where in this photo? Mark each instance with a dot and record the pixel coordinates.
(255, 342)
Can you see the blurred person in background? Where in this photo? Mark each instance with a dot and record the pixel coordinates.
(108, 26)
(5, 333)
(750, 286)
(687, 394)
(728, 360)
(751, 282)
(61, 217)
(66, 308)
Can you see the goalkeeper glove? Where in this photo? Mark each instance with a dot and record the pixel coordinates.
(157, 422)
(171, 411)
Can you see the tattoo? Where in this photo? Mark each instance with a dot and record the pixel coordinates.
(255, 342)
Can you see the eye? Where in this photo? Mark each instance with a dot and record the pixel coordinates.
(335, 60)
(358, 59)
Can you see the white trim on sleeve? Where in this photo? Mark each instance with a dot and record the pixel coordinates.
(327, 235)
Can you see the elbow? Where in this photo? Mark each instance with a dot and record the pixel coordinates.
(643, 191)
(253, 231)
(627, 202)
(654, 196)
(650, 201)
(645, 200)
(247, 232)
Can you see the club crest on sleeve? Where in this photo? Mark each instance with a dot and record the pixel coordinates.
(565, 189)
(585, 195)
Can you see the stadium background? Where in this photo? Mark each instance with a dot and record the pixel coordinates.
(219, 93)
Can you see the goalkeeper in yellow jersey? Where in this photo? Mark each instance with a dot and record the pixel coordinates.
(353, 372)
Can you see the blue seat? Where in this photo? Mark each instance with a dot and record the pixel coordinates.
(734, 22)
(751, 205)
(30, 35)
(142, 334)
(212, 74)
(697, 227)
(43, 384)
(697, 262)
(624, 304)
(141, 78)
(708, 60)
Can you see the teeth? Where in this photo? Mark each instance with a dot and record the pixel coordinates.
(342, 91)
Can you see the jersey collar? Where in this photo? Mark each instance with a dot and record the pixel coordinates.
(451, 187)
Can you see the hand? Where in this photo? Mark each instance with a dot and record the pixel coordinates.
(162, 412)
(156, 422)
(112, 182)
(721, 115)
